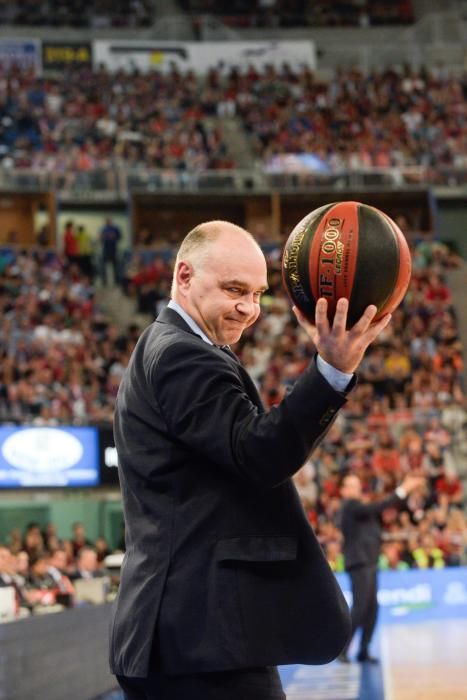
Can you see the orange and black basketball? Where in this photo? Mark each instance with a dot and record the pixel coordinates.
(346, 249)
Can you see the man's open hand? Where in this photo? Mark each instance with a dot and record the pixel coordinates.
(342, 348)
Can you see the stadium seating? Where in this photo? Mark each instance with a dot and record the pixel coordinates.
(299, 13)
(100, 14)
(157, 130)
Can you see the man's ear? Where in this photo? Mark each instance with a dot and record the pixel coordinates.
(184, 274)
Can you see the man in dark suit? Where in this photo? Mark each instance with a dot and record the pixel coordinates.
(223, 577)
(87, 565)
(361, 527)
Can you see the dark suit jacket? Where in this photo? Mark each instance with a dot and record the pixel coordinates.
(221, 565)
(361, 527)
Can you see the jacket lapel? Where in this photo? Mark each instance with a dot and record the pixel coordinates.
(170, 316)
(250, 388)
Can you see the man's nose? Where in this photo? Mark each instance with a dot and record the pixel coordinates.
(246, 305)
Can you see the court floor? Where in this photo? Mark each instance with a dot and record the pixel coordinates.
(425, 661)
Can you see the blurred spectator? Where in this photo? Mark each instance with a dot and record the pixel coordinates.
(450, 485)
(427, 554)
(6, 567)
(102, 549)
(87, 565)
(33, 542)
(70, 243)
(15, 541)
(79, 539)
(50, 537)
(335, 556)
(85, 251)
(40, 584)
(57, 568)
(22, 566)
(43, 237)
(386, 457)
(390, 557)
(110, 236)
(8, 577)
(454, 539)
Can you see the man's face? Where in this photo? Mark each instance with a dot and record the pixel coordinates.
(88, 561)
(222, 292)
(59, 560)
(22, 563)
(352, 487)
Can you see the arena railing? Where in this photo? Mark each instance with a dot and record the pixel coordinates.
(116, 182)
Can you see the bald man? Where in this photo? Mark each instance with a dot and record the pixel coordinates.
(223, 578)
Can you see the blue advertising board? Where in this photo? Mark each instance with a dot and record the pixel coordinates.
(48, 456)
(23, 53)
(417, 595)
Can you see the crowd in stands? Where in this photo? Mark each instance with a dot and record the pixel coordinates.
(61, 357)
(362, 13)
(86, 122)
(300, 13)
(105, 14)
(355, 120)
(100, 14)
(43, 568)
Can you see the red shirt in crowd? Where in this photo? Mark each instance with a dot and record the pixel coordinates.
(71, 243)
(450, 486)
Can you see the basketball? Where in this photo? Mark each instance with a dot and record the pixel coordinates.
(346, 249)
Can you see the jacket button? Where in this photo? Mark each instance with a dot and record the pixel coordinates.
(327, 416)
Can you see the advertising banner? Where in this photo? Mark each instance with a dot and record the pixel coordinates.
(417, 595)
(65, 54)
(48, 457)
(201, 57)
(24, 53)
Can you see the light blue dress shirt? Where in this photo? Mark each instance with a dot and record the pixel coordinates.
(337, 379)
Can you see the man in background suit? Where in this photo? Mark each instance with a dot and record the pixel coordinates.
(223, 578)
(361, 528)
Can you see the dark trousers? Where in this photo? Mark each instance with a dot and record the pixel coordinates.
(113, 261)
(245, 684)
(364, 580)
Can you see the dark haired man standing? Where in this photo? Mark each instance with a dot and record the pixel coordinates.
(361, 527)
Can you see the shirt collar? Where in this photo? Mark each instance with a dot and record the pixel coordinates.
(189, 321)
